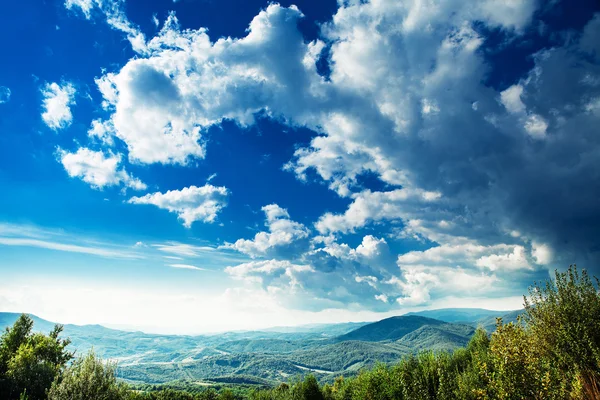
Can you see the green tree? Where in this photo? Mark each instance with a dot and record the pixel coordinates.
(227, 395)
(29, 362)
(564, 319)
(310, 389)
(86, 379)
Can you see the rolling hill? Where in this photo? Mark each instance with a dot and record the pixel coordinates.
(393, 328)
(471, 316)
(273, 355)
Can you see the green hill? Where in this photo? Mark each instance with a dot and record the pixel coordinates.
(393, 328)
(273, 355)
(463, 315)
(438, 338)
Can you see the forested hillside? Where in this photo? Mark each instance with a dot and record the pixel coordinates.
(271, 356)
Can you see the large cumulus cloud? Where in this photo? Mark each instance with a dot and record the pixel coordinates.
(501, 181)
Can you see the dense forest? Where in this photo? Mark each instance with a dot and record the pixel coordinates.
(551, 352)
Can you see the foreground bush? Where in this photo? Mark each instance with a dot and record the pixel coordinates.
(88, 378)
(29, 362)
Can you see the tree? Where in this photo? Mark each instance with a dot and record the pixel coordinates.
(310, 389)
(29, 362)
(564, 318)
(88, 378)
(227, 395)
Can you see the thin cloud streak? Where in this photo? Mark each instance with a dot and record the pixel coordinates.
(70, 248)
(187, 266)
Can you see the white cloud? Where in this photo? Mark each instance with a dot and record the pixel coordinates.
(536, 126)
(370, 207)
(381, 297)
(506, 261)
(103, 131)
(406, 102)
(328, 275)
(191, 204)
(542, 253)
(162, 102)
(419, 283)
(369, 280)
(113, 11)
(85, 6)
(370, 246)
(4, 94)
(31, 236)
(469, 267)
(56, 104)
(511, 99)
(66, 247)
(499, 257)
(98, 169)
(269, 272)
(283, 232)
(186, 266)
(184, 249)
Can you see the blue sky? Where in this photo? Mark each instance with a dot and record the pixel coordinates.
(203, 165)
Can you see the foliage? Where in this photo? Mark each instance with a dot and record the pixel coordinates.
(564, 319)
(88, 378)
(29, 362)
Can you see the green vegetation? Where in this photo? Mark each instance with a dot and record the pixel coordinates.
(88, 378)
(274, 360)
(264, 357)
(29, 362)
(552, 351)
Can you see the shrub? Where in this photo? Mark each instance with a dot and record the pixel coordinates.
(88, 378)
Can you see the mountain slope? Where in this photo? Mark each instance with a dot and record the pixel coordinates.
(321, 329)
(473, 316)
(393, 328)
(325, 350)
(489, 324)
(445, 337)
(464, 315)
(39, 325)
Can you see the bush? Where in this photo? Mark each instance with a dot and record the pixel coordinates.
(86, 379)
(564, 319)
(30, 362)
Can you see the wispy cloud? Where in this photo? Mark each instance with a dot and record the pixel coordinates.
(181, 249)
(57, 102)
(71, 248)
(214, 256)
(4, 94)
(98, 169)
(187, 266)
(31, 236)
(191, 204)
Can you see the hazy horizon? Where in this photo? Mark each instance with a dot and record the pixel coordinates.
(275, 328)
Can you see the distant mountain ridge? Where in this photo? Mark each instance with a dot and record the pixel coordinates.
(461, 315)
(392, 328)
(275, 354)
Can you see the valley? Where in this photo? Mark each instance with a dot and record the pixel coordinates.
(273, 355)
